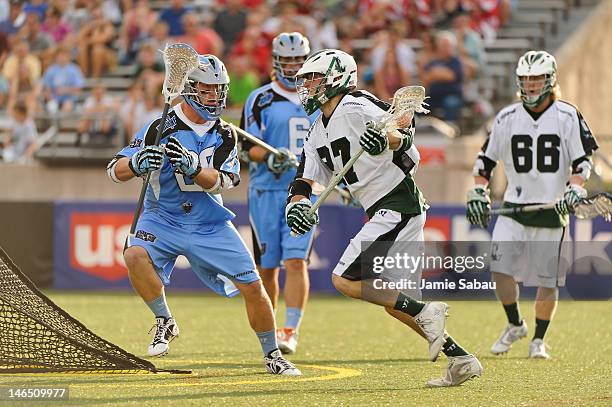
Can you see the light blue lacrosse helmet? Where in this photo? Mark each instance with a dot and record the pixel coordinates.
(289, 45)
(210, 71)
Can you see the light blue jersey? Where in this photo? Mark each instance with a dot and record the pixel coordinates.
(277, 117)
(173, 195)
(179, 218)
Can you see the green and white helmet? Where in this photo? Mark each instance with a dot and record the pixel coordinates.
(325, 74)
(535, 63)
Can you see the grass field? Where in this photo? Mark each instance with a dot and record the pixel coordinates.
(351, 353)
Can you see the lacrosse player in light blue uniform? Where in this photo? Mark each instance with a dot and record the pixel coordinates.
(184, 213)
(274, 114)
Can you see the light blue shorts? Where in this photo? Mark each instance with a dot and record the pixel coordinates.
(216, 252)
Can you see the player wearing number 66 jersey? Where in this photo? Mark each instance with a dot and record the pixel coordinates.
(381, 181)
(184, 213)
(274, 114)
(545, 146)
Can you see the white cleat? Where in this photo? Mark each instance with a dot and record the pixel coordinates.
(165, 331)
(432, 320)
(537, 349)
(511, 334)
(287, 340)
(277, 364)
(460, 369)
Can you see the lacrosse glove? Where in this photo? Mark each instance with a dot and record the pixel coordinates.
(478, 206)
(282, 162)
(572, 195)
(298, 219)
(185, 161)
(147, 159)
(373, 141)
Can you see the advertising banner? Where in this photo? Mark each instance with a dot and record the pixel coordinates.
(89, 240)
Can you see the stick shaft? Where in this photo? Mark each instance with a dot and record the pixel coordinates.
(522, 209)
(254, 139)
(275, 151)
(335, 181)
(143, 191)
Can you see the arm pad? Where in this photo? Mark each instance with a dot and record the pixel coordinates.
(582, 167)
(299, 187)
(483, 166)
(224, 182)
(110, 170)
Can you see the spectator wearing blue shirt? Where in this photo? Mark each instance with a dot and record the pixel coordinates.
(62, 83)
(173, 16)
(443, 78)
(15, 19)
(39, 7)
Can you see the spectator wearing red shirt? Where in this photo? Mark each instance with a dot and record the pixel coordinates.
(205, 40)
(257, 46)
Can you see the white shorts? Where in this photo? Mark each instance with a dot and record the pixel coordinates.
(531, 255)
(385, 226)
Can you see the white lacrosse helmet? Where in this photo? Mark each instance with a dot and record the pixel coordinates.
(289, 51)
(536, 63)
(325, 74)
(209, 104)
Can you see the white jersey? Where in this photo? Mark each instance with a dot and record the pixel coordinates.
(330, 145)
(538, 154)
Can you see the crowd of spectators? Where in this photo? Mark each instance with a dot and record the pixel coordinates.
(50, 50)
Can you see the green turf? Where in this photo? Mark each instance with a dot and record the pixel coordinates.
(375, 359)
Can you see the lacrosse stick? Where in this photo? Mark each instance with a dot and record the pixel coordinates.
(179, 61)
(587, 208)
(406, 100)
(259, 142)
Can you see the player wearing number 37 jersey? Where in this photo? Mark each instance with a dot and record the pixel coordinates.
(381, 181)
(545, 146)
(184, 214)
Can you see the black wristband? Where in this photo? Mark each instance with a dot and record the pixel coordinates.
(299, 187)
(132, 168)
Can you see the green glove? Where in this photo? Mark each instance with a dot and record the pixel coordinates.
(478, 206)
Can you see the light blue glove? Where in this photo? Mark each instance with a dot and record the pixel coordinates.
(185, 161)
(147, 159)
(282, 162)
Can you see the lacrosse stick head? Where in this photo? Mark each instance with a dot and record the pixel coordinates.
(179, 61)
(598, 205)
(406, 101)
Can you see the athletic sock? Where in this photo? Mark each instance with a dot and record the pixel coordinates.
(541, 327)
(160, 307)
(268, 341)
(293, 317)
(452, 348)
(513, 314)
(408, 305)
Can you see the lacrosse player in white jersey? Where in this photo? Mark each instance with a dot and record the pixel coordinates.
(380, 180)
(545, 146)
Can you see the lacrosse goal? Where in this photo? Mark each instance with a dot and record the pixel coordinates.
(37, 336)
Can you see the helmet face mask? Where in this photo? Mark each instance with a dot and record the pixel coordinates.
(311, 89)
(325, 74)
(536, 76)
(289, 51)
(286, 69)
(206, 88)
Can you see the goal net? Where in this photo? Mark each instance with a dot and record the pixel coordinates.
(38, 336)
